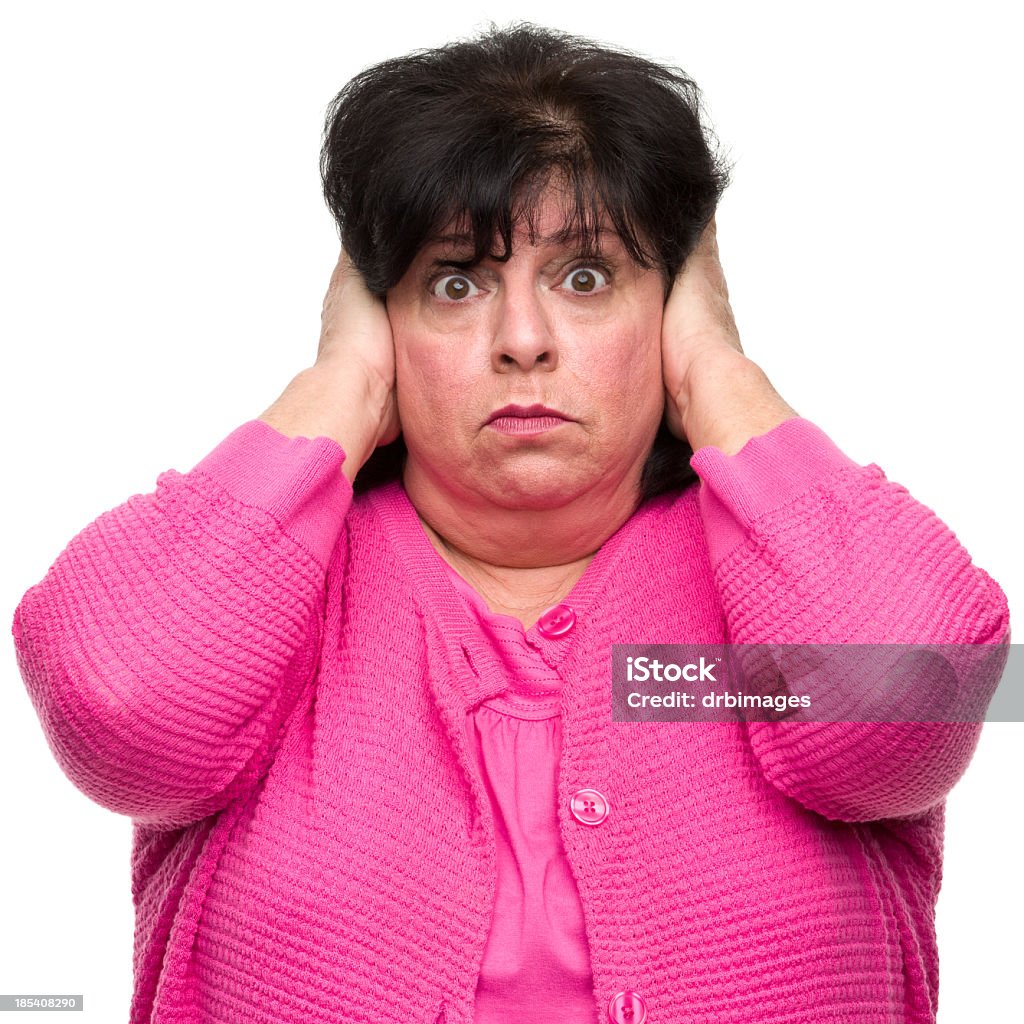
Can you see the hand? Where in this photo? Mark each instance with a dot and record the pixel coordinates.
(697, 323)
(355, 334)
(714, 394)
(348, 394)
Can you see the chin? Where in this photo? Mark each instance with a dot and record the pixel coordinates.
(535, 489)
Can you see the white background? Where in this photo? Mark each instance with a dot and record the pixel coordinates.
(165, 251)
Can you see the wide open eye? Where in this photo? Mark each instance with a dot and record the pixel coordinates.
(453, 287)
(584, 280)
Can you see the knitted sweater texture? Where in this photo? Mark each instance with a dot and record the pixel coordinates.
(272, 680)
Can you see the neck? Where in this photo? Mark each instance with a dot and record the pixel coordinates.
(518, 559)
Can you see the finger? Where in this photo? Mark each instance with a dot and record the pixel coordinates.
(707, 245)
(708, 259)
(701, 261)
(345, 260)
(343, 268)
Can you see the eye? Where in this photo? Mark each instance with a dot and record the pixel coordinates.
(583, 280)
(453, 287)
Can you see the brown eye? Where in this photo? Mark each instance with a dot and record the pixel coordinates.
(454, 287)
(586, 279)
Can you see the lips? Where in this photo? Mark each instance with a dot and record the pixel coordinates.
(525, 412)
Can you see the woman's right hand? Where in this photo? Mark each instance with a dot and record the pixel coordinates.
(348, 394)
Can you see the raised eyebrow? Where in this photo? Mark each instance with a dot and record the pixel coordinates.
(591, 241)
(588, 248)
(592, 253)
(576, 249)
(445, 246)
(440, 262)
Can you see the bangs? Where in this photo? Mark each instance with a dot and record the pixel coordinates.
(490, 208)
(482, 189)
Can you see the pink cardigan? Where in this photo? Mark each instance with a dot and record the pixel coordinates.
(272, 681)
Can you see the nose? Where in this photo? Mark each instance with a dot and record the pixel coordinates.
(523, 335)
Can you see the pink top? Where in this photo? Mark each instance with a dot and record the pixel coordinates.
(273, 681)
(536, 965)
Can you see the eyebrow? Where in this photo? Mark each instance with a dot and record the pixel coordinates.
(440, 262)
(559, 238)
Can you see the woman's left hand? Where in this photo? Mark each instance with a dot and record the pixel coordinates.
(714, 394)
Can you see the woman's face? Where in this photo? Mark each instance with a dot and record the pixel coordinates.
(577, 334)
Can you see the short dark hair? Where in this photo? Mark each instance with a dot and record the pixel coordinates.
(473, 131)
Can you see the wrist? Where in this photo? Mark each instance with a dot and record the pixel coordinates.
(347, 407)
(726, 399)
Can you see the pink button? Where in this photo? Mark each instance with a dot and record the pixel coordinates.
(627, 1008)
(557, 621)
(589, 806)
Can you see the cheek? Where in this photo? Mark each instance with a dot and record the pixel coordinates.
(430, 382)
(632, 366)
(415, 355)
(429, 370)
(415, 378)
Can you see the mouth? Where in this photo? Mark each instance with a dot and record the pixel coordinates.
(525, 419)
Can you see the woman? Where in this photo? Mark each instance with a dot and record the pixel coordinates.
(353, 691)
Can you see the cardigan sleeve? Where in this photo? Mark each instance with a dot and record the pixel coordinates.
(167, 643)
(808, 547)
